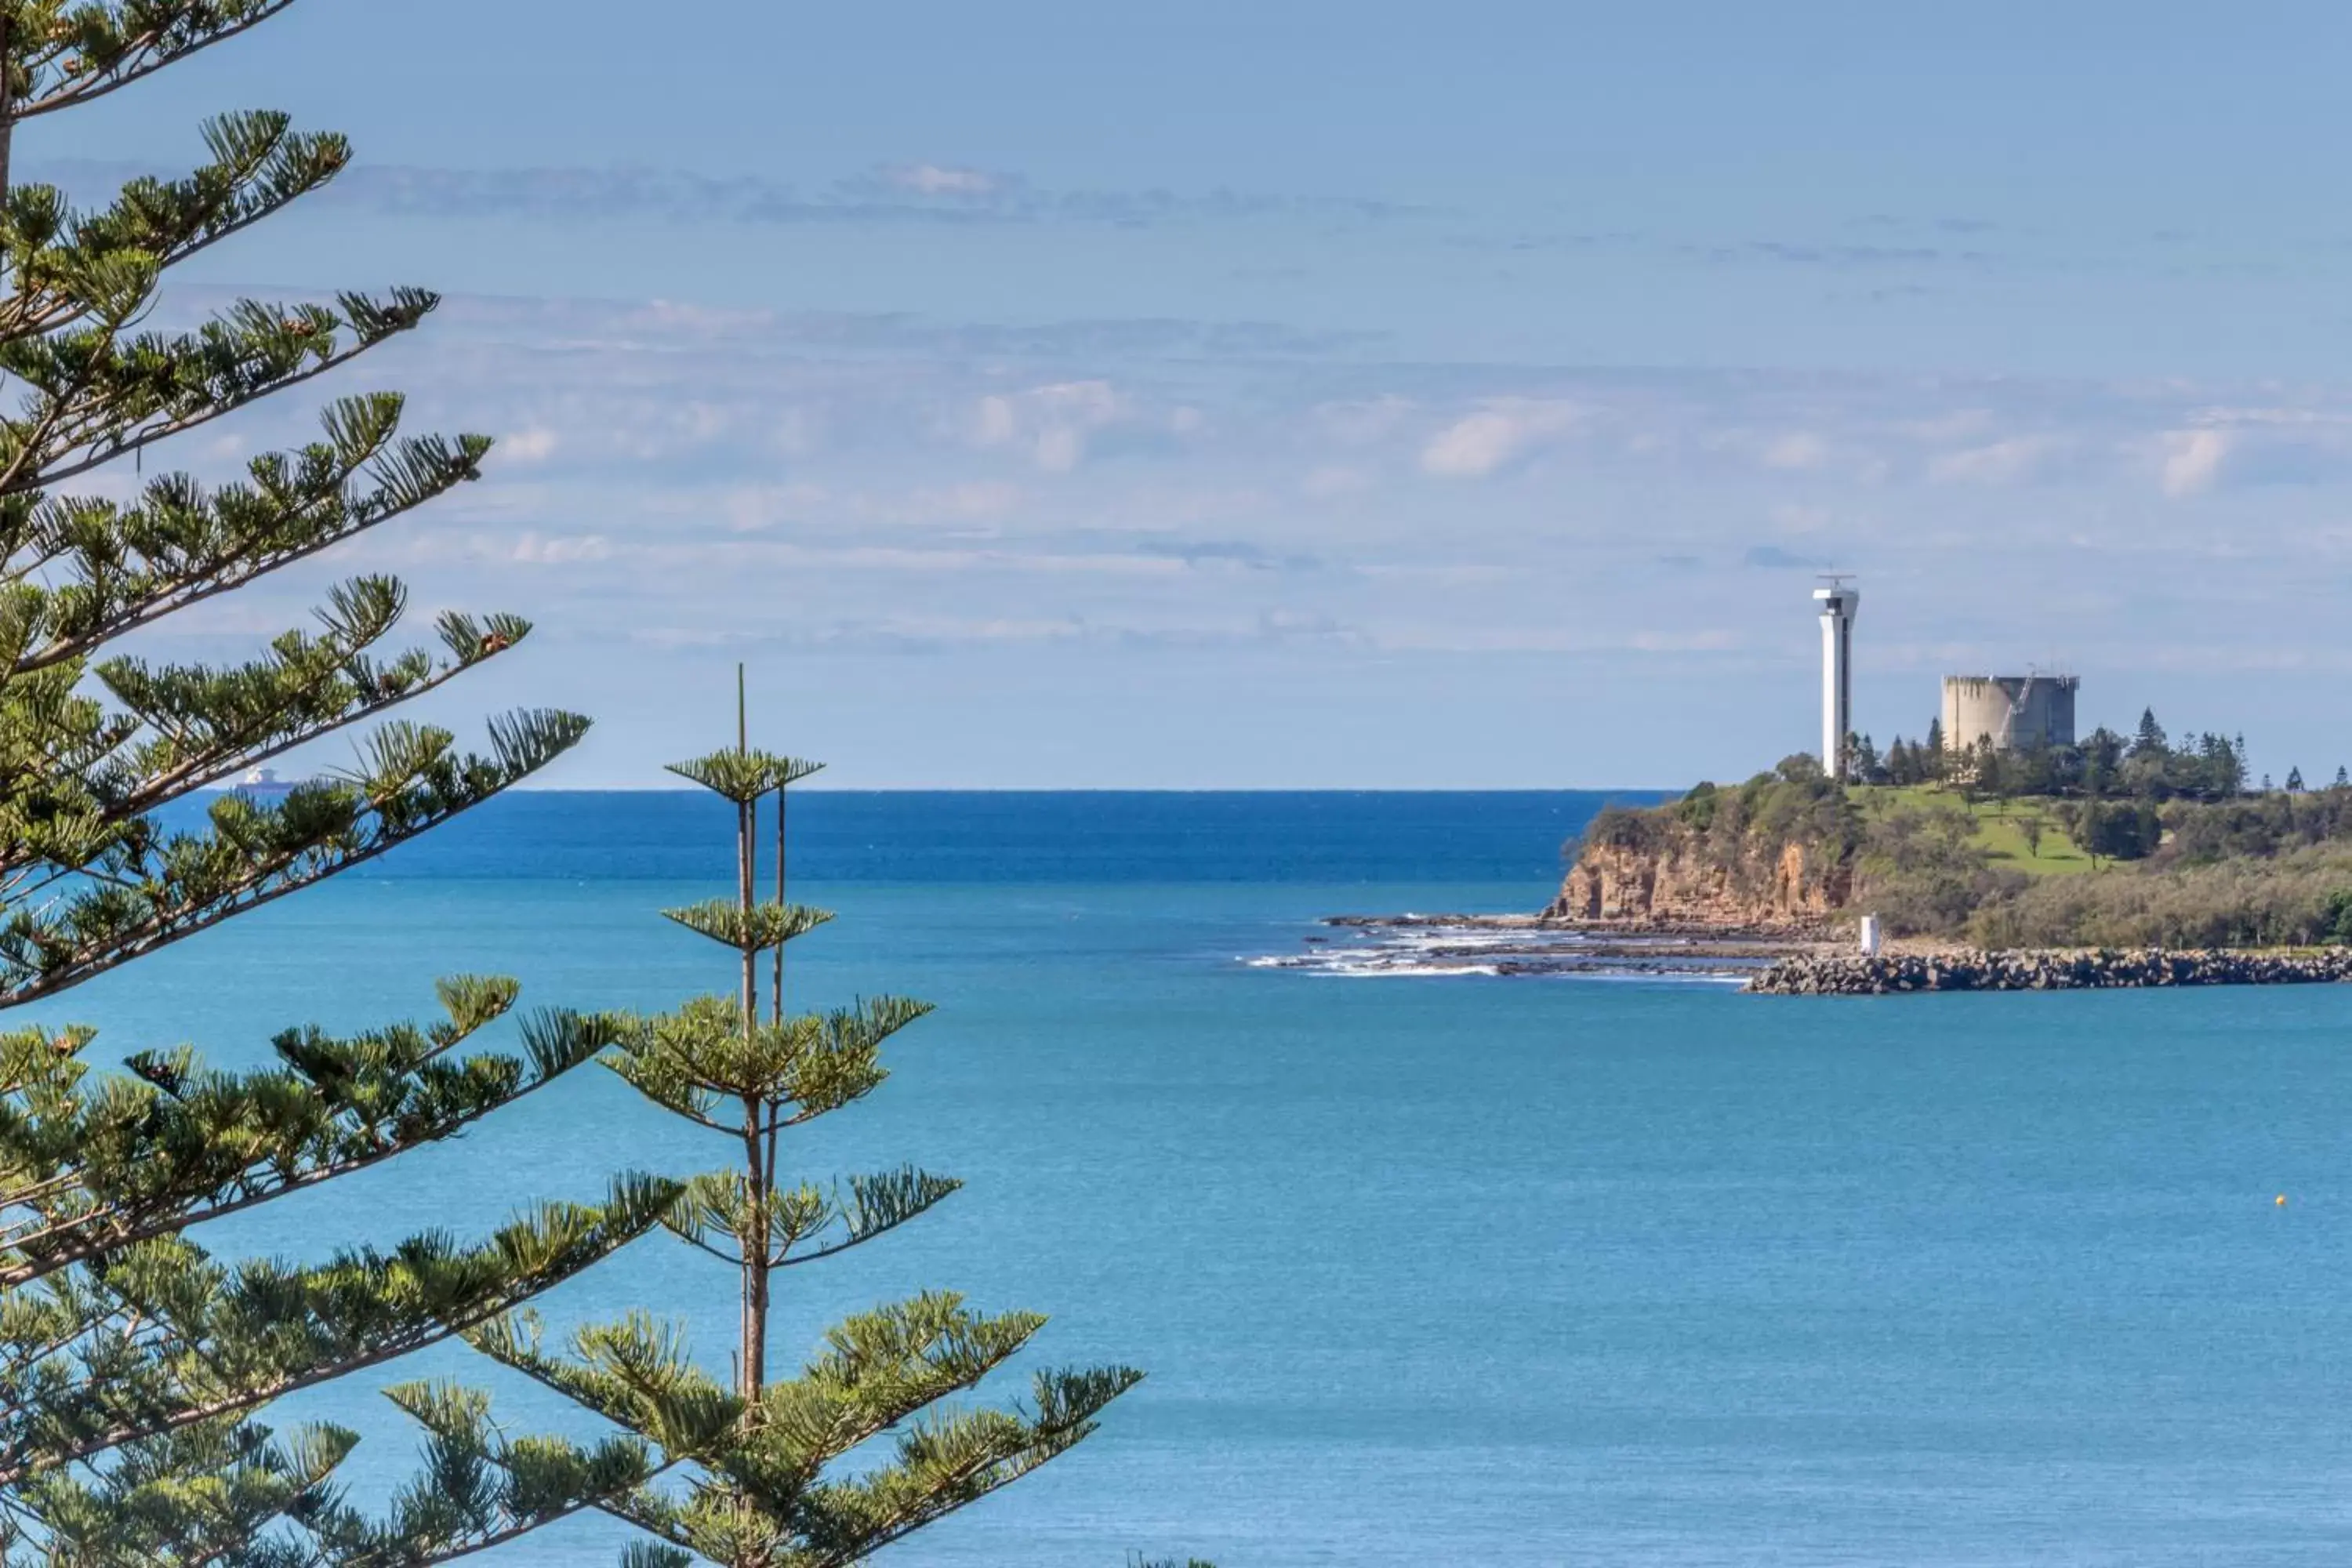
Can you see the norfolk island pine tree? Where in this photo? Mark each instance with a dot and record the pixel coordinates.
(857, 1448)
(133, 1362)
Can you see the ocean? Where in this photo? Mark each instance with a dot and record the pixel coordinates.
(1424, 1271)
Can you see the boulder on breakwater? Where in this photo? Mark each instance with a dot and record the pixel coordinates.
(1856, 975)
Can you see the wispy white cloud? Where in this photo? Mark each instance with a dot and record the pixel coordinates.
(922, 192)
(1054, 426)
(534, 444)
(543, 549)
(1333, 480)
(722, 479)
(2193, 459)
(1051, 424)
(1799, 449)
(941, 180)
(2014, 459)
(1497, 435)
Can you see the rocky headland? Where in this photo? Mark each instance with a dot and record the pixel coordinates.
(1766, 882)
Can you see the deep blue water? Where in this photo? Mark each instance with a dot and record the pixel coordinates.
(1424, 1271)
(931, 837)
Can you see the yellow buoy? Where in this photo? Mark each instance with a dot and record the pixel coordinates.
(2281, 1200)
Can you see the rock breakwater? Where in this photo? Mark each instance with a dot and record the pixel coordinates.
(1854, 975)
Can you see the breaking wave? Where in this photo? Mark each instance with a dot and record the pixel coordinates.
(1430, 947)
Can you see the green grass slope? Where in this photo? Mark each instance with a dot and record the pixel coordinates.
(1999, 827)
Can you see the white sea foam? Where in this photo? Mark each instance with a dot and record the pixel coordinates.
(1409, 972)
(1441, 951)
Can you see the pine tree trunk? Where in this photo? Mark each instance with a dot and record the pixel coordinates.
(7, 100)
(776, 989)
(754, 1240)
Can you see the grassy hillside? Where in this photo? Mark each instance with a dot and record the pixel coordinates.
(1998, 828)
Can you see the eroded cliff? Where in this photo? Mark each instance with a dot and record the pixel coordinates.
(1684, 885)
(1773, 854)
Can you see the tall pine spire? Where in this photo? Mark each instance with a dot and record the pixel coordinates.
(758, 1462)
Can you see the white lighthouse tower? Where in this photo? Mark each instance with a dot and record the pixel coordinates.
(1838, 603)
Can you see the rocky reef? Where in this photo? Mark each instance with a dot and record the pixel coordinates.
(1529, 945)
(1856, 975)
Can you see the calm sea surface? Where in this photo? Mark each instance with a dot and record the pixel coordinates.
(1425, 1271)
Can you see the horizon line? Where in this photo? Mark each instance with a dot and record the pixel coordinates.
(1092, 789)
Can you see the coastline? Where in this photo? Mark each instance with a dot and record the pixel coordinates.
(1774, 958)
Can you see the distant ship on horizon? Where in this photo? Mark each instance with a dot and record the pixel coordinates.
(265, 782)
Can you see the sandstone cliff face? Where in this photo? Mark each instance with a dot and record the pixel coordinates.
(1678, 884)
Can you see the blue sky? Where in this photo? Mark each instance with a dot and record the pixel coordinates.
(1299, 394)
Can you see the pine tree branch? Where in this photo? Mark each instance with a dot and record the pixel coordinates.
(270, 875)
(363, 612)
(931, 1509)
(261, 167)
(90, 402)
(199, 1496)
(330, 512)
(537, 1370)
(406, 1556)
(163, 789)
(701, 1121)
(732, 1260)
(201, 23)
(53, 1257)
(998, 1456)
(635, 1207)
(22, 475)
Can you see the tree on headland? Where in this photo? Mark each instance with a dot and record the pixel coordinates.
(2294, 781)
(1987, 770)
(134, 1361)
(2116, 830)
(2103, 765)
(2101, 760)
(782, 1472)
(2029, 827)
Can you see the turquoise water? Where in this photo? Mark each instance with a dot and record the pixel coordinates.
(1425, 1271)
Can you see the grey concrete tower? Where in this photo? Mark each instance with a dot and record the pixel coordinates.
(1838, 603)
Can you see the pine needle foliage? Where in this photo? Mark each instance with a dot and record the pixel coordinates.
(93, 742)
(866, 1441)
(133, 1362)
